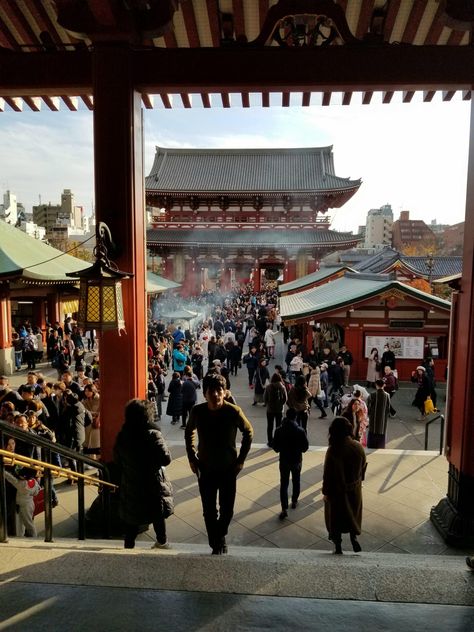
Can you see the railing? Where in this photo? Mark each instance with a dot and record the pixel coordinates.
(49, 469)
(441, 434)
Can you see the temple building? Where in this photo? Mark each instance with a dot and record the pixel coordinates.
(222, 217)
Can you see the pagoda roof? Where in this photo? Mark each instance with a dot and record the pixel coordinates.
(312, 278)
(248, 237)
(347, 291)
(257, 171)
(25, 258)
(388, 259)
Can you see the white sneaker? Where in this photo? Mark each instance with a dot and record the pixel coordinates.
(157, 545)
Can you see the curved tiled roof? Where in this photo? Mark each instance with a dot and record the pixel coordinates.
(442, 266)
(248, 237)
(347, 290)
(309, 279)
(292, 171)
(22, 256)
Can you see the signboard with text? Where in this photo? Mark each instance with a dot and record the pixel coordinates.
(404, 347)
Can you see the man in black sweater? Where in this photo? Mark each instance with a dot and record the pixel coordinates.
(215, 460)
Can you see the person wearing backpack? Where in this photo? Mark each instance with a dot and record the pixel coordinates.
(274, 397)
(290, 441)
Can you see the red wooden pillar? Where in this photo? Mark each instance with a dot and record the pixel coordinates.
(257, 274)
(454, 514)
(312, 265)
(118, 149)
(39, 314)
(53, 304)
(6, 355)
(290, 271)
(225, 278)
(168, 267)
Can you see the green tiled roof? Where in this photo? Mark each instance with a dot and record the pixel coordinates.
(220, 236)
(347, 290)
(307, 170)
(22, 256)
(156, 283)
(309, 279)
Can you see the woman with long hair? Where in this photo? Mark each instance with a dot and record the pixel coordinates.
(373, 367)
(344, 471)
(146, 494)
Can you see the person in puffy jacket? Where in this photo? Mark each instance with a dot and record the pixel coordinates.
(274, 397)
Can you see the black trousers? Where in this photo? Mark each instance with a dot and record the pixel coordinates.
(302, 418)
(131, 532)
(222, 483)
(285, 470)
(272, 417)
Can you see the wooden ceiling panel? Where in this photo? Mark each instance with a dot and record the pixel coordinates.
(20, 23)
(42, 19)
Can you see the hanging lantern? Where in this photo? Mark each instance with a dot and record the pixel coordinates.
(100, 290)
(272, 274)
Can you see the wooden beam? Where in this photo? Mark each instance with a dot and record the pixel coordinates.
(413, 22)
(225, 97)
(455, 38)
(239, 19)
(206, 100)
(88, 101)
(70, 102)
(466, 95)
(51, 102)
(346, 98)
(436, 27)
(428, 95)
(262, 11)
(103, 12)
(170, 39)
(285, 99)
(213, 13)
(15, 103)
(44, 22)
(206, 70)
(147, 101)
(186, 99)
(166, 99)
(367, 97)
(306, 100)
(342, 4)
(392, 12)
(34, 103)
(265, 100)
(190, 24)
(408, 96)
(20, 23)
(387, 96)
(245, 100)
(326, 98)
(366, 10)
(448, 95)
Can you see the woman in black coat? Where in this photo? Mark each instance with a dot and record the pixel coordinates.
(146, 494)
(174, 407)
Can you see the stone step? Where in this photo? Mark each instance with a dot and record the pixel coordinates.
(384, 577)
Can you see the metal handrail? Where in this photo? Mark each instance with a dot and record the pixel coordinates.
(12, 458)
(50, 448)
(427, 425)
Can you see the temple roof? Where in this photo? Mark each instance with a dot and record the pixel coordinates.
(292, 171)
(388, 258)
(347, 291)
(248, 237)
(310, 279)
(26, 258)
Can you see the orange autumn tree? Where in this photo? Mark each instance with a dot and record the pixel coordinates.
(420, 284)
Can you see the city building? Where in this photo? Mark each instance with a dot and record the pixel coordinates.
(229, 216)
(378, 232)
(412, 233)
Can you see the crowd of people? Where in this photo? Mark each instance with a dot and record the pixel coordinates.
(64, 410)
(236, 332)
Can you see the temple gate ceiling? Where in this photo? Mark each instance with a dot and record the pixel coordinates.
(206, 49)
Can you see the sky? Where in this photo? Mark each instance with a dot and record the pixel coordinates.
(412, 156)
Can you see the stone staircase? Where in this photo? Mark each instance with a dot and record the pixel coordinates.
(376, 577)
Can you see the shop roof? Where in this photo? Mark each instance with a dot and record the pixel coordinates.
(348, 290)
(24, 257)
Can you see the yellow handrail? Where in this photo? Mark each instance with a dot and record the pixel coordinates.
(11, 458)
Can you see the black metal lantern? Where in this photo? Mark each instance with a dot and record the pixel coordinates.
(100, 291)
